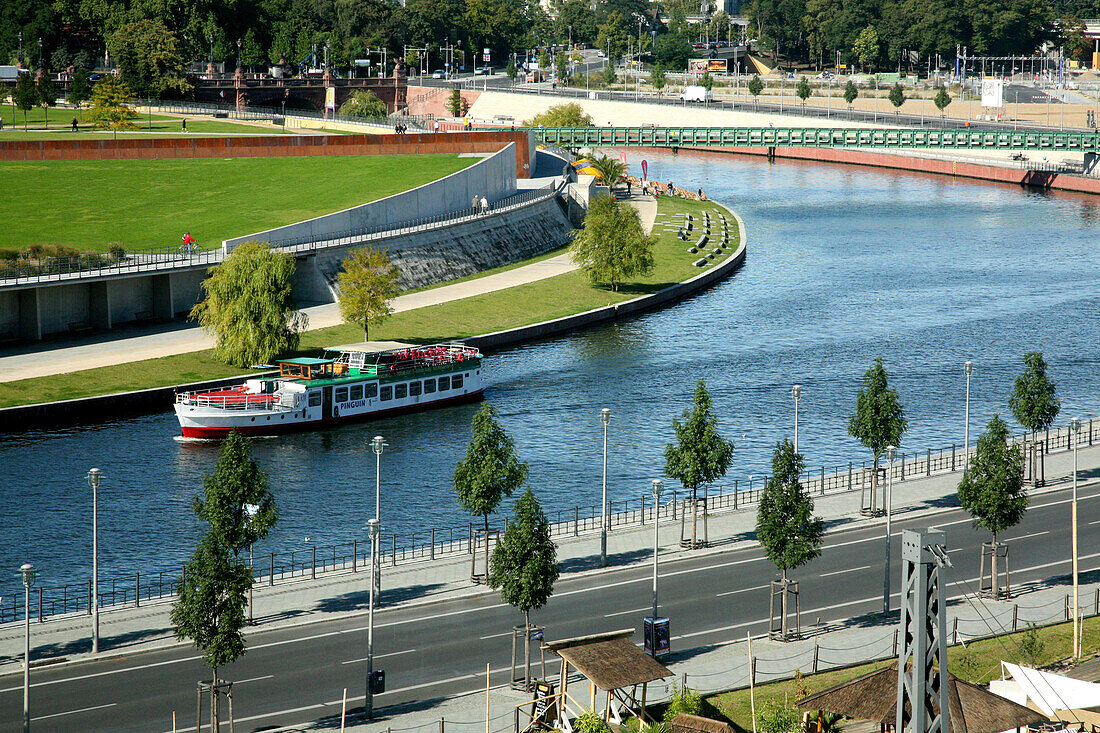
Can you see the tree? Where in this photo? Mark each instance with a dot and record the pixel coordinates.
(803, 90)
(1034, 403)
(80, 90)
(612, 245)
(706, 81)
(610, 170)
(561, 66)
(614, 35)
(111, 108)
(657, 78)
(866, 46)
(455, 103)
(569, 114)
(238, 509)
(248, 307)
(897, 96)
(992, 490)
(850, 94)
(786, 528)
(364, 103)
(879, 420)
(47, 97)
(490, 471)
(942, 99)
(755, 87)
(25, 96)
(609, 76)
(149, 59)
(700, 455)
(524, 566)
(252, 53)
(368, 282)
(672, 51)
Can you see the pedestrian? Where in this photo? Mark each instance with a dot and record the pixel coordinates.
(628, 187)
(436, 125)
(1, 123)
(484, 205)
(74, 124)
(476, 203)
(185, 125)
(188, 243)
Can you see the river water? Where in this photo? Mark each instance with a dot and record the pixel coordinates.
(844, 264)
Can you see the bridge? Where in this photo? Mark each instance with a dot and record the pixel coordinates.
(827, 137)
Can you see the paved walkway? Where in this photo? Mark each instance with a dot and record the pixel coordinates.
(128, 630)
(108, 349)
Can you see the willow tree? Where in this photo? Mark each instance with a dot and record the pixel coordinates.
(248, 307)
(368, 282)
(612, 246)
(700, 455)
(490, 471)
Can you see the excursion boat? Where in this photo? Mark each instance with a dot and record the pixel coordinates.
(344, 386)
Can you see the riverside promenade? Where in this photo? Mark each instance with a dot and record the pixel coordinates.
(697, 658)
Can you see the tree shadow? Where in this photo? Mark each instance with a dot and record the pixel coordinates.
(360, 600)
(382, 714)
(83, 645)
(592, 562)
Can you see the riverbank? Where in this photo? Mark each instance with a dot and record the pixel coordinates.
(540, 302)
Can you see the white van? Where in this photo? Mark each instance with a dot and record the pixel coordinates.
(696, 94)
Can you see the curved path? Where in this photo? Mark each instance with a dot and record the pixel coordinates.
(110, 351)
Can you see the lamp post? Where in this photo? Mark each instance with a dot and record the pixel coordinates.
(796, 392)
(891, 452)
(1075, 428)
(605, 418)
(373, 528)
(27, 571)
(658, 487)
(968, 368)
(94, 476)
(377, 444)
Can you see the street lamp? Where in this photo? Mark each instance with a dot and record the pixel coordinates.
(968, 367)
(605, 418)
(94, 476)
(373, 527)
(1075, 429)
(375, 566)
(796, 392)
(658, 487)
(27, 571)
(891, 452)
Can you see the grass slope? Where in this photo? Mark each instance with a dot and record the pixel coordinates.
(518, 306)
(151, 203)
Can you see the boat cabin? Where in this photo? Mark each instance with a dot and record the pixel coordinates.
(306, 368)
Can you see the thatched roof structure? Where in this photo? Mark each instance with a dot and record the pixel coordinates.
(611, 661)
(685, 723)
(873, 696)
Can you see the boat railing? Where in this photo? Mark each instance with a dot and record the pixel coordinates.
(237, 402)
(450, 355)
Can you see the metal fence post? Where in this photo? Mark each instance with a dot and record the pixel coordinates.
(952, 456)
(576, 519)
(642, 513)
(313, 563)
(849, 475)
(355, 556)
(432, 553)
(271, 578)
(1015, 615)
(40, 619)
(895, 643)
(394, 548)
(928, 464)
(815, 657)
(137, 590)
(470, 539)
(89, 597)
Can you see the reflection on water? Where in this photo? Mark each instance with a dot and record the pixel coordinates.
(844, 264)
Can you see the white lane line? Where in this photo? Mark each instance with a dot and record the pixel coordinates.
(496, 636)
(74, 712)
(627, 613)
(1025, 536)
(741, 590)
(379, 656)
(254, 679)
(841, 572)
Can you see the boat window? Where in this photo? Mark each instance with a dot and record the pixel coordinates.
(444, 384)
(387, 393)
(341, 394)
(456, 381)
(357, 392)
(400, 391)
(315, 398)
(414, 389)
(429, 386)
(372, 389)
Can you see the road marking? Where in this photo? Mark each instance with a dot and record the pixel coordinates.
(841, 572)
(74, 712)
(496, 636)
(1025, 536)
(254, 679)
(627, 613)
(742, 590)
(379, 656)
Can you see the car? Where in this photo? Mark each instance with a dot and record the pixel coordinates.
(95, 76)
(601, 54)
(439, 74)
(481, 70)
(825, 75)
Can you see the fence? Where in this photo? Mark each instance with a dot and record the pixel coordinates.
(433, 543)
(276, 114)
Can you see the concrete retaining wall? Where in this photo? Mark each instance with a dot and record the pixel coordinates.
(493, 177)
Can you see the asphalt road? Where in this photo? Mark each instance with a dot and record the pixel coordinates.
(429, 652)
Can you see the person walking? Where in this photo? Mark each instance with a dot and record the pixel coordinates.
(185, 125)
(74, 124)
(484, 205)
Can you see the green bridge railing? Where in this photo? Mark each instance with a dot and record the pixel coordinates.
(811, 137)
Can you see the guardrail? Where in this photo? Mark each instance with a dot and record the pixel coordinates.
(432, 544)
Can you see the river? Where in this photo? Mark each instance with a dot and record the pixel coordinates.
(844, 264)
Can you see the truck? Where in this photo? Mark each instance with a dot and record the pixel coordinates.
(696, 94)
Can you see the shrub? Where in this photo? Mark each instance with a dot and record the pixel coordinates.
(591, 722)
(1032, 645)
(8, 254)
(684, 700)
(116, 252)
(777, 716)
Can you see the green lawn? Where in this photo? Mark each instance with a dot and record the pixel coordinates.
(150, 203)
(525, 304)
(59, 120)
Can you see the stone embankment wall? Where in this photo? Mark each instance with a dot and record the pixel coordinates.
(447, 253)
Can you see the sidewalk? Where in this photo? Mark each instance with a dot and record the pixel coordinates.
(129, 630)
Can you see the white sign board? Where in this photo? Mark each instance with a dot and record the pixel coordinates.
(993, 93)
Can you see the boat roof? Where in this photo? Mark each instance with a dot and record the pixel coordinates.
(306, 361)
(371, 347)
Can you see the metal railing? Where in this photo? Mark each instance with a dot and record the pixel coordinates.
(253, 114)
(432, 544)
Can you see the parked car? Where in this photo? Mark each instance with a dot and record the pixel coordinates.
(439, 74)
(481, 70)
